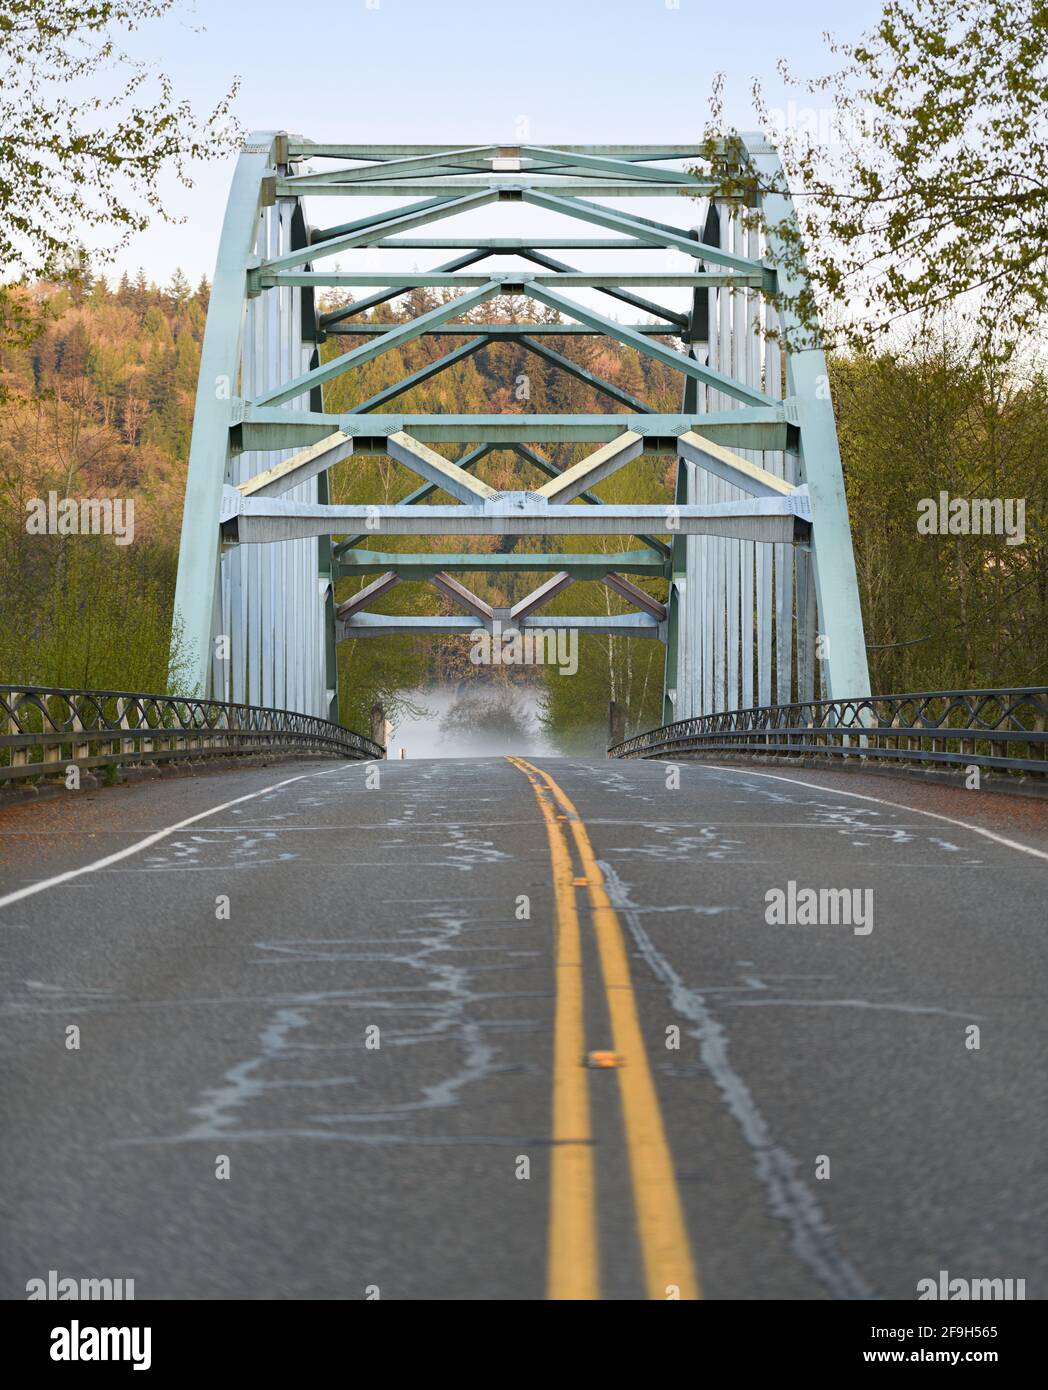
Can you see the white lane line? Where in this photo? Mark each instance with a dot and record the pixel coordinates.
(158, 835)
(895, 805)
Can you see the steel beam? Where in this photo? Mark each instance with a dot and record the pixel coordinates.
(468, 185)
(512, 330)
(634, 594)
(654, 233)
(372, 301)
(516, 281)
(733, 468)
(607, 460)
(433, 210)
(264, 427)
(420, 565)
(382, 625)
(426, 373)
(770, 519)
(419, 494)
(360, 600)
(550, 589)
(606, 388)
(428, 464)
(394, 337)
(220, 353)
(458, 593)
(749, 395)
(297, 469)
(839, 612)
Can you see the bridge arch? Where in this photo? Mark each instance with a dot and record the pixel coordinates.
(762, 596)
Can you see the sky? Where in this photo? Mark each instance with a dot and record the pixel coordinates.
(433, 71)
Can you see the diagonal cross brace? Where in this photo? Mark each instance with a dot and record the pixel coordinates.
(300, 467)
(428, 464)
(398, 335)
(650, 347)
(433, 211)
(465, 598)
(653, 233)
(733, 468)
(541, 595)
(634, 594)
(608, 459)
(370, 592)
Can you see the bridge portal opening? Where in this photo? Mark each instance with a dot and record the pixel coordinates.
(586, 415)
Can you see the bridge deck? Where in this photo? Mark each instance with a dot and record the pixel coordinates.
(397, 1167)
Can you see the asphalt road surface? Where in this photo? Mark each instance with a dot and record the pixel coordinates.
(508, 1029)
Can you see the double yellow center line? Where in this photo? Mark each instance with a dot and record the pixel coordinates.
(574, 1268)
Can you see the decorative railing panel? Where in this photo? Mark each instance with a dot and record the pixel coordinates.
(47, 729)
(1002, 730)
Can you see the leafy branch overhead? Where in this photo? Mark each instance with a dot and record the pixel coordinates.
(921, 169)
(76, 164)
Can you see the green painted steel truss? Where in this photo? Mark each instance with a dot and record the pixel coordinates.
(754, 548)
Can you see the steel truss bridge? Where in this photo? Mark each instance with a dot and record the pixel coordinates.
(755, 546)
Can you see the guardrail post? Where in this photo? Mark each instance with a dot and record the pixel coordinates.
(19, 756)
(80, 749)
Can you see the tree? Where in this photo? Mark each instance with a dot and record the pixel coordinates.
(72, 164)
(938, 187)
(941, 412)
(179, 290)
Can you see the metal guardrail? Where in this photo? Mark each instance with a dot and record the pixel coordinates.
(49, 729)
(1002, 730)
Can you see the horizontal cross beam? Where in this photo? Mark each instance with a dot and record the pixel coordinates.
(510, 281)
(265, 427)
(510, 243)
(505, 329)
(419, 565)
(325, 149)
(419, 494)
(769, 519)
(382, 625)
(306, 187)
